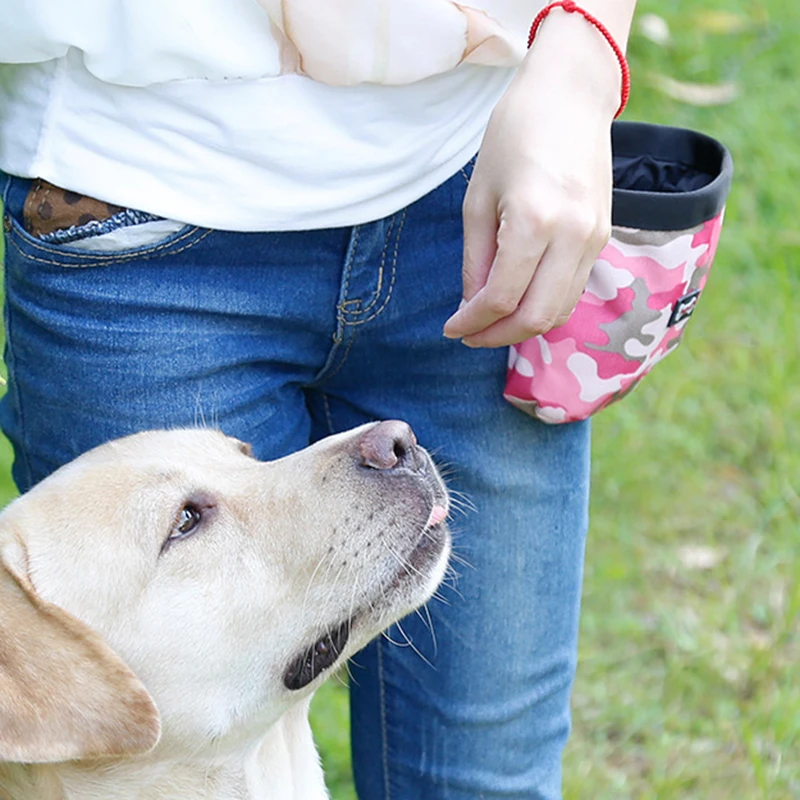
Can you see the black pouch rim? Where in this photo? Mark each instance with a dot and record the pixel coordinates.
(641, 150)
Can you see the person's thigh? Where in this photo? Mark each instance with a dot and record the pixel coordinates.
(206, 328)
(468, 698)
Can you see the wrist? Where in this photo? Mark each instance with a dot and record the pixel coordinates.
(571, 44)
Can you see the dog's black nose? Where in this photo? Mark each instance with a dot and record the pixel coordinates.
(390, 445)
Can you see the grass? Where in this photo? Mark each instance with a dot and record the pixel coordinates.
(690, 631)
(690, 637)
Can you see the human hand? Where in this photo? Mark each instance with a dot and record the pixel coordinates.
(537, 211)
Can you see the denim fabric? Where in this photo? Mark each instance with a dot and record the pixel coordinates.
(282, 338)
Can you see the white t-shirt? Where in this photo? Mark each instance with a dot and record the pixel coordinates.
(252, 114)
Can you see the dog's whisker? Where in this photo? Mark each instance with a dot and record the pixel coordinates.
(451, 577)
(327, 556)
(328, 600)
(427, 621)
(337, 676)
(386, 635)
(459, 501)
(450, 580)
(409, 568)
(402, 562)
(411, 644)
(311, 578)
(356, 590)
(457, 558)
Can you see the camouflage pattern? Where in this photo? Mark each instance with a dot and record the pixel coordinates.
(640, 294)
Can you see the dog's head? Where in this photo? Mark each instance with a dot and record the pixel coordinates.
(171, 580)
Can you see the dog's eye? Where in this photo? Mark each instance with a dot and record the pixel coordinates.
(194, 515)
(187, 522)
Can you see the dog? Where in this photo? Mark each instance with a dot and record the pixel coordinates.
(168, 605)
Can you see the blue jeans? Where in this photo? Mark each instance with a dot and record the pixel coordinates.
(282, 338)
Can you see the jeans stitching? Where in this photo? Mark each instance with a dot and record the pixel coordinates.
(393, 277)
(109, 259)
(327, 376)
(341, 324)
(351, 257)
(384, 727)
(471, 165)
(375, 294)
(98, 261)
(35, 244)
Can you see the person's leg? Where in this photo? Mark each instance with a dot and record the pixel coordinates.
(203, 328)
(196, 329)
(478, 706)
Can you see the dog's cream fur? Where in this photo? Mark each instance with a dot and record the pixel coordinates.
(143, 658)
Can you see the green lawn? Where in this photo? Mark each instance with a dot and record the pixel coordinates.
(690, 641)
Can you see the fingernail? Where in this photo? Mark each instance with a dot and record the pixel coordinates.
(450, 324)
(450, 329)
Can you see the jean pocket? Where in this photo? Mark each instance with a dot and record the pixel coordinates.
(53, 226)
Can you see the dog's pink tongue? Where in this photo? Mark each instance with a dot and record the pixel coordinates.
(438, 514)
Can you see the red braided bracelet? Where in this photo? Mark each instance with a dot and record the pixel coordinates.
(570, 7)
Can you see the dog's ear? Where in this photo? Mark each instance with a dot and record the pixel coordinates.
(64, 693)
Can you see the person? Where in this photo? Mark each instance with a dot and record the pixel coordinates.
(249, 215)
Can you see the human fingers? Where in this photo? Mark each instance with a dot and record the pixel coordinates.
(493, 292)
(479, 215)
(548, 302)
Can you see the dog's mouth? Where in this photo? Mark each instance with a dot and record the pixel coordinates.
(322, 654)
(326, 650)
(428, 549)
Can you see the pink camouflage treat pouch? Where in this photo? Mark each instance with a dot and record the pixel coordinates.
(670, 187)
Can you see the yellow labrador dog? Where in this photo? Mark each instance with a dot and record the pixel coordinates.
(168, 604)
